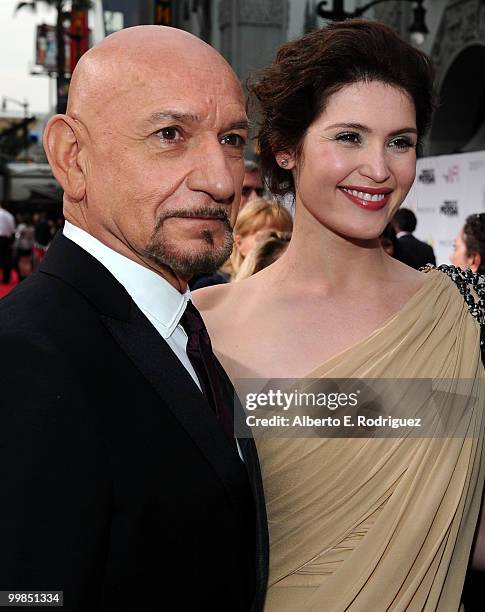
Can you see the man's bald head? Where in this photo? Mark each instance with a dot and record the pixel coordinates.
(124, 60)
(150, 151)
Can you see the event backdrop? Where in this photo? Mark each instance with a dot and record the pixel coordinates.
(447, 189)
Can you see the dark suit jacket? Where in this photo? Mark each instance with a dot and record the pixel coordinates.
(118, 485)
(414, 252)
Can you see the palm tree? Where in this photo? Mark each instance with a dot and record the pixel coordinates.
(63, 13)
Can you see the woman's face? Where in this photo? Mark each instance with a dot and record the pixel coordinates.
(459, 257)
(358, 160)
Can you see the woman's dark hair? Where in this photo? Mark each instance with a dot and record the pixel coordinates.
(294, 90)
(474, 238)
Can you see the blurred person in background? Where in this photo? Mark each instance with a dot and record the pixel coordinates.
(252, 189)
(57, 224)
(388, 240)
(411, 251)
(255, 218)
(253, 186)
(42, 235)
(270, 246)
(469, 245)
(7, 231)
(23, 247)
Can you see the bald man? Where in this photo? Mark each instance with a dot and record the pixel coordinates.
(121, 482)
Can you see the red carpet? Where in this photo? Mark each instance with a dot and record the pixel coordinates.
(4, 289)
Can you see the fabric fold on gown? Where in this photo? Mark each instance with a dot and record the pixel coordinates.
(368, 524)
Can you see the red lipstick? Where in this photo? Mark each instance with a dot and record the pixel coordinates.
(369, 198)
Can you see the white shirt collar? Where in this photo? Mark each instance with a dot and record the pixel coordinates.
(151, 292)
(401, 234)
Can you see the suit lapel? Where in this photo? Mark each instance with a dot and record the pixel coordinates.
(149, 353)
(157, 362)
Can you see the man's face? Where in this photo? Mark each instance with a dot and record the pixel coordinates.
(252, 187)
(164, 163)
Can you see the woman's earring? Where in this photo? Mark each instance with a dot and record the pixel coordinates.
(284, 162)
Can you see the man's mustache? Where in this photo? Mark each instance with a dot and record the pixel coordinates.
(202, 212)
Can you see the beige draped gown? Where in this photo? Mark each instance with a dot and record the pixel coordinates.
(368, 525)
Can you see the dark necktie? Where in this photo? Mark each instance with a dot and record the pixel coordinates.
(203, 360)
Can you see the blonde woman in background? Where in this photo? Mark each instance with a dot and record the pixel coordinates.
(270, 246)
(256, 217)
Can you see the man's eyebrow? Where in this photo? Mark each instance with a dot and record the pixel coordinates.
(367, 130)
(170, 115)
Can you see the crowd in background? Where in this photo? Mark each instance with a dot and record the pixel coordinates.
(24, 240)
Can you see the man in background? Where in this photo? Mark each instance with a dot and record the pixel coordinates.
(252, 184)
(410, 250)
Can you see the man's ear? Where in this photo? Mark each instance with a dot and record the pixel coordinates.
(61, 145)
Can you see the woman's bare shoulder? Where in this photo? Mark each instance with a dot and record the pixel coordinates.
(214, 297)
(218, 307)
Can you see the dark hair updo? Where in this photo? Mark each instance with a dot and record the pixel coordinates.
(294, 90)
(474, 238)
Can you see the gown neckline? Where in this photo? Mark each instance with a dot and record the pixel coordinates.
(432, 276)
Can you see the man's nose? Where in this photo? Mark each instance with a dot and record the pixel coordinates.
(214, 172)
